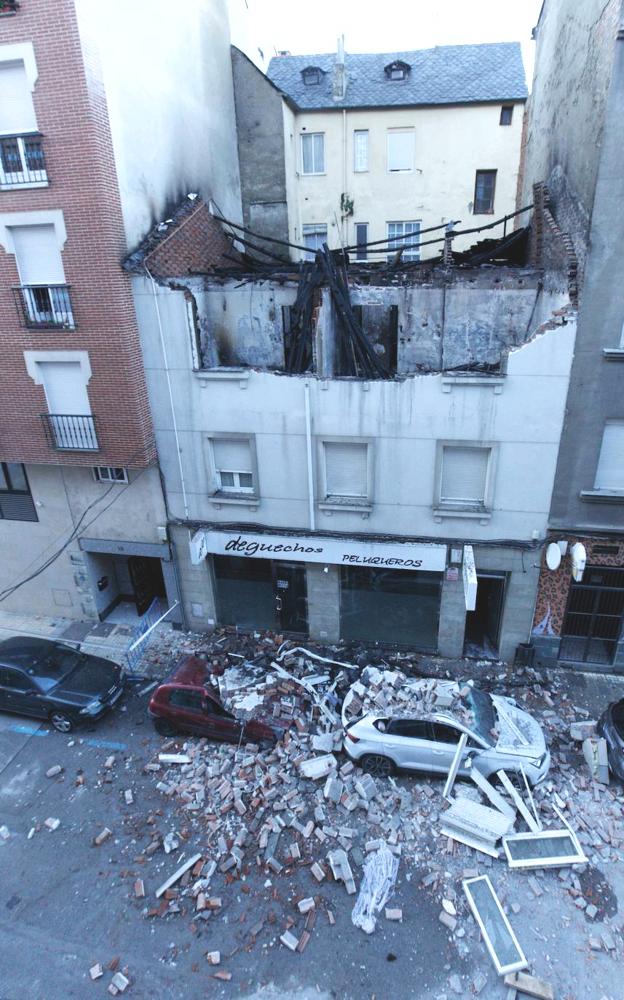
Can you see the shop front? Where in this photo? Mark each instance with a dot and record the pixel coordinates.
(326, 587)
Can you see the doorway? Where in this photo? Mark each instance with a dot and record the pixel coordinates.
(594, 617)
(259, 593)
(483, 625)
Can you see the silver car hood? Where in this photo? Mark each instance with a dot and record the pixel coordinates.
(519, 732)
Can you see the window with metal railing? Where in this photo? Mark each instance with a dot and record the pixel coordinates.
(22, 162)
(71, 431)
(45, 306)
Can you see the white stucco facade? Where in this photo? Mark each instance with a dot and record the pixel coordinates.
(451, 143)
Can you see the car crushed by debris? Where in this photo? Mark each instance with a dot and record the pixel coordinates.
(393, 722)
(185, 702)
(46, 679)
(610, 727)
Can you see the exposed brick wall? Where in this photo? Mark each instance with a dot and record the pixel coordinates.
(549, 247)
(195, 245)
(72, 116)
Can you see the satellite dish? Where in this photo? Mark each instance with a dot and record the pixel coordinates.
(553, 556)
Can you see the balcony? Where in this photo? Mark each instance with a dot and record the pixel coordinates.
(45, 307)
(71, 431)
(22, 162)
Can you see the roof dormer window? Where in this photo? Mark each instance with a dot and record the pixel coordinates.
(312, 75)
(397, 70)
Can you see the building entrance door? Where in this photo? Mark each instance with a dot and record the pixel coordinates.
(483, 625)
(593, 620)
(259, 593)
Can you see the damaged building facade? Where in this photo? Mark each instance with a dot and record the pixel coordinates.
(579, 84)
(356, 453)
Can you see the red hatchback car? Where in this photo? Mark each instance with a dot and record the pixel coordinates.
(185, 703)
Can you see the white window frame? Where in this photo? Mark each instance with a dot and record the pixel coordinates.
(314, 172)
(106, 474)
(608, 490)
(314, 229)
(452, 508)
(218, 490)
(330, 501)
(25, 178)
(357, 166)
(400, 131)
(408, 254)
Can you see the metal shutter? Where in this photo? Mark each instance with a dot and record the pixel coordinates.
(464, 473)
(38, 255)
(401, 146)
(17, 114)
(231, 455)
(346, 469)
(17, 507)
(610, 471)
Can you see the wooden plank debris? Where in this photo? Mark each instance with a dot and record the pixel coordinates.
(177, 875)
(530, 986)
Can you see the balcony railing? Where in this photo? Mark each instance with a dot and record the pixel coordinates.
(70, 431)
(8, 6)
(22, 162)
(45, 306)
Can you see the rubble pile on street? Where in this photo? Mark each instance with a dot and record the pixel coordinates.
(302, 812)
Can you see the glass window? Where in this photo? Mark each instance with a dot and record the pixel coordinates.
(405, 235)
(110, 474)
(610, 471)
(417, 729)
(346, 470)
(311, 76)
(314, 236)
(183, 698)
(360, 150)
(401, 148)
(485, 184)
(232, 460)
(245, 592)
(16, 502)
(384, 605)
(464, 475)
(506, 114)
(313, 153)
(361, 239)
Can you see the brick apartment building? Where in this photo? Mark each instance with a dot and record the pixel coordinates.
(97, 139)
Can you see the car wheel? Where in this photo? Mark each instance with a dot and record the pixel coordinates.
(164, 727)
(62, 722)
(377, 765)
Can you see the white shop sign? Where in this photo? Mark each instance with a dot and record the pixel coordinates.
(333, 551)
(469, 575)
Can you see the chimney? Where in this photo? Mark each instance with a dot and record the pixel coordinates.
(339, 81)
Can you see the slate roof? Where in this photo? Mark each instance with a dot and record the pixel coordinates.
(449, 74)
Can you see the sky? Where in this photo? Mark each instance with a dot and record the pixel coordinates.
(388, 25)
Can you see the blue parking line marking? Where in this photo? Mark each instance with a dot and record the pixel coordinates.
(29, 730)
(105, 744)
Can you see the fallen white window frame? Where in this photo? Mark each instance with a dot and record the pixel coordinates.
(521, 963)
(517, 798)
(548, 861)
(491, 793)
(455, 766)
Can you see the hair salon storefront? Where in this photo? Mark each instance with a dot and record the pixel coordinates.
(326, 587)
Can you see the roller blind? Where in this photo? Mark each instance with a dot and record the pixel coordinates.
(232, 454)
(401, 147)
(17, 114)
(464, 474)
(346, 469)
(610, 471)
(38, 256)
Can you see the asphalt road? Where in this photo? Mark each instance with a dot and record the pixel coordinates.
(66, 904)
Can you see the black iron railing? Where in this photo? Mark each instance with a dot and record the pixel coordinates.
(45, 306)
(8, 6)
(70, 431)
(22, 161)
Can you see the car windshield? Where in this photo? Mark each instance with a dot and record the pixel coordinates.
(59, 662)
(483, 712)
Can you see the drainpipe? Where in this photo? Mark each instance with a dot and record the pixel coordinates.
(345, 219)
(308, 423)
(169, 389)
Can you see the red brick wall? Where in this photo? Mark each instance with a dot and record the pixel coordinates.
(197, 244)
(71, 113)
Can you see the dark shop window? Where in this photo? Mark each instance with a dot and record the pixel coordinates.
(16, 502)
(485, 184)
(396, 606)
(506, 114)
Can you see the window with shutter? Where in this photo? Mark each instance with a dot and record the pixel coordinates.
(38, 255)
(610, 471)
(401, 147)
(17, 114)
(233, 465)
(346, 470)
(464, 475)
(360, 150)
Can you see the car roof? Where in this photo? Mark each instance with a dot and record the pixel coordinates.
(24, 647)
(191, 671)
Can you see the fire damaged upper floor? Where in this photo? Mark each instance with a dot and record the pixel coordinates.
(333, 317)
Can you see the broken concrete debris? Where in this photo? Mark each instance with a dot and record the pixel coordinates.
(530, 986)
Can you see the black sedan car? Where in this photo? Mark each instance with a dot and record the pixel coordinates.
(611, 727)
(51, 680)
